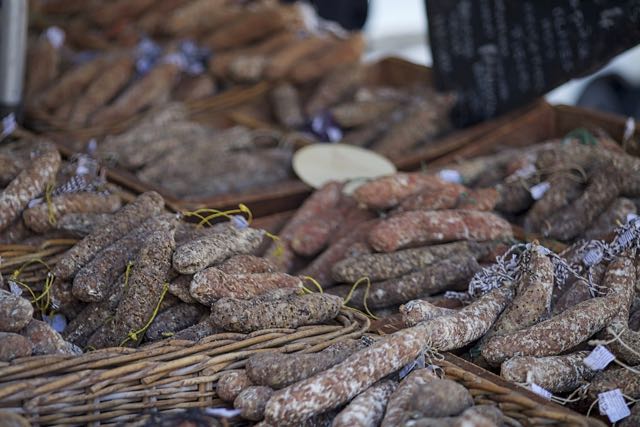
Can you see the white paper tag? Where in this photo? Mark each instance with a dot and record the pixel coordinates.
(58, 322)
(418, 363)
(540, 391)
(15, 288)
(239, 222)
(542, 250)
(611, 403)
(9, 125)
(92, 146)
(450, 175)
(599, 358)
(35, 202)
(55, 35)
(526, 171)
(177, 59)
(538, 190)
(334, 134)
(629, 129)
(222, 412)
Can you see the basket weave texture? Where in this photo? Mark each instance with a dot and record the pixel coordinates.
(120, 384)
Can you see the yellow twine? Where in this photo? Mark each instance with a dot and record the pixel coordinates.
(279, 250)
(366, 295)
(314, 282)
(42, 307)
(46, 292)
(18, 272)
(24, 285)
(215, 213)
(133, 335)
(127, 273)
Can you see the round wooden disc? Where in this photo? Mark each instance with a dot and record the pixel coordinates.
(318, 164)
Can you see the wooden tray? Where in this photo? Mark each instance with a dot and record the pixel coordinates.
(290, 194)
(543, 123)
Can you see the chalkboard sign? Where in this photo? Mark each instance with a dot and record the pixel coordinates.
(500, 54)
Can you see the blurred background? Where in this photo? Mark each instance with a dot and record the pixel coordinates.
(399, 28)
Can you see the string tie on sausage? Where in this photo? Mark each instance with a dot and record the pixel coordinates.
(135, 336)
(215, 213)
(51, 215)
(617, 338)
(357, 283)
(42, 301)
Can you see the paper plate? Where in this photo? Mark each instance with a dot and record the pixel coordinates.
(318, 164)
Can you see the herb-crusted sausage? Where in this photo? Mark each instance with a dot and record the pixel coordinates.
(29, 183)
(420, 227)
(263, 312)
(389, 191)
(381, 266)
(567, 329)
(174, 319)
(246, 264)
(123, 221)
(339, 384)
(441, 276)
(417, 311)
(278, 370)
(400, 399)
(558, 374)
(213, 248)
(368, 408)
(231, 384)
(37, 217)
(251, 402)
(212, 284)
(15, 312)
(532, 302)
(280, 253)
(148, 275)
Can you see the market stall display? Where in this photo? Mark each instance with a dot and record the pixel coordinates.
(490, 281)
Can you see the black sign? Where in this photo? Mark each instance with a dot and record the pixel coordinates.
(500, 54)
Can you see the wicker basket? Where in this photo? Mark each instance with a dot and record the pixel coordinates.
(519, 405)
(122, 384)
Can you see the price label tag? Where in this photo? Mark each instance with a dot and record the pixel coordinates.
(611, 403)
(540, 391)
(629, 129)
(15, 288)
(9, 125)
(538, 190)
(239, 222)
(58, 322)
(222, 412)
(599, 358)
(55, 36)
(450, 175)
(526, 172)
(418, 363)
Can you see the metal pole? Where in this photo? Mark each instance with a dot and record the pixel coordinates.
(13, 47)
